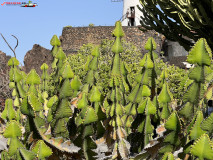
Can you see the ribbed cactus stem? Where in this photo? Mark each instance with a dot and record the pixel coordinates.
(116, 64)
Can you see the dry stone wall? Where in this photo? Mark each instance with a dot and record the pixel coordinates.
(74, 37)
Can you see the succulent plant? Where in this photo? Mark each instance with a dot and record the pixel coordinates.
(60, 116)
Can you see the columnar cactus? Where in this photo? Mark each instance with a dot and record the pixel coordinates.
(55, 42)
(200, 56)
(89, 105)
(165, 97)
(141, 107)
(114, 104)
(179, 19)
(76, 121)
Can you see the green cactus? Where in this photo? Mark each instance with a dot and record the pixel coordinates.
(200, 56)
(44, 77)
(61, 116)
(115, 101)
(178, 19)
(140, 106)
(165, 97)
(89, 105)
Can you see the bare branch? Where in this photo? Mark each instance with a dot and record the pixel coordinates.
(10, 46)
(16, 44)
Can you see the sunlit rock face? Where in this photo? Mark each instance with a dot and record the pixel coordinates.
(5, 91)
(35, 57)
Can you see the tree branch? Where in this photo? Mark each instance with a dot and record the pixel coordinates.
(13, 50)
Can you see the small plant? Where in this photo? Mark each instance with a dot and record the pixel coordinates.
(91, 25)
(68, 26)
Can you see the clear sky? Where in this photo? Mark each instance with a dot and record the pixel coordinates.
(37, 25)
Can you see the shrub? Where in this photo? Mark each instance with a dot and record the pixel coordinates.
(91, 25)
(68, 26)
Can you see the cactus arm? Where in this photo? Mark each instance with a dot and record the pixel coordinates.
(181, 17)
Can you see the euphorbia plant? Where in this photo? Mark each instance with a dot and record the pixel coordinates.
(88, 120)
(58, 116)
(115, 101)
(140, 104)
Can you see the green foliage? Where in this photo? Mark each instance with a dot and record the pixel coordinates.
(140, 97)
(91, 25)
(104, 103)
(203, 148)
(190, 18)
(116, 100)
(68, 26)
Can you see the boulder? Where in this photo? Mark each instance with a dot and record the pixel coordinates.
(3, 61)
(5, 91)
(35, 57)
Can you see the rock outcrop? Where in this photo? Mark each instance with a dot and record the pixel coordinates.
(35, 57)
(3, 61)
(5, 91)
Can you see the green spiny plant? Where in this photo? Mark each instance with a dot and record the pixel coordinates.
(200, 56)
(140, 99)
(190, 18)
(115, 100)
(165, 97)
(57, 116)
(186, 127)
(88, 120)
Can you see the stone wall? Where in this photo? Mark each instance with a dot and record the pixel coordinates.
(174, 49)
(74, 37)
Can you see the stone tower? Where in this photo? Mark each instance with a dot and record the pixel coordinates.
(131, 13)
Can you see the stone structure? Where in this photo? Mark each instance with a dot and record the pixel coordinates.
(173, 49)
(131, 13)
(178, 61)
(74, 37)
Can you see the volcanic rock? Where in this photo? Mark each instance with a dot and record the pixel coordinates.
(35, 57)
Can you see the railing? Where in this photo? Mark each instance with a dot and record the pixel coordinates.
(131, 15)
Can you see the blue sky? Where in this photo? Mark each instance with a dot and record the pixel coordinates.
(36, 25)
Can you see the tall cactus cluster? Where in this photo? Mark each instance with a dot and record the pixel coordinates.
(57, 116)
(115, 100)
(140, 106)
(90, 114)
(178, 19)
